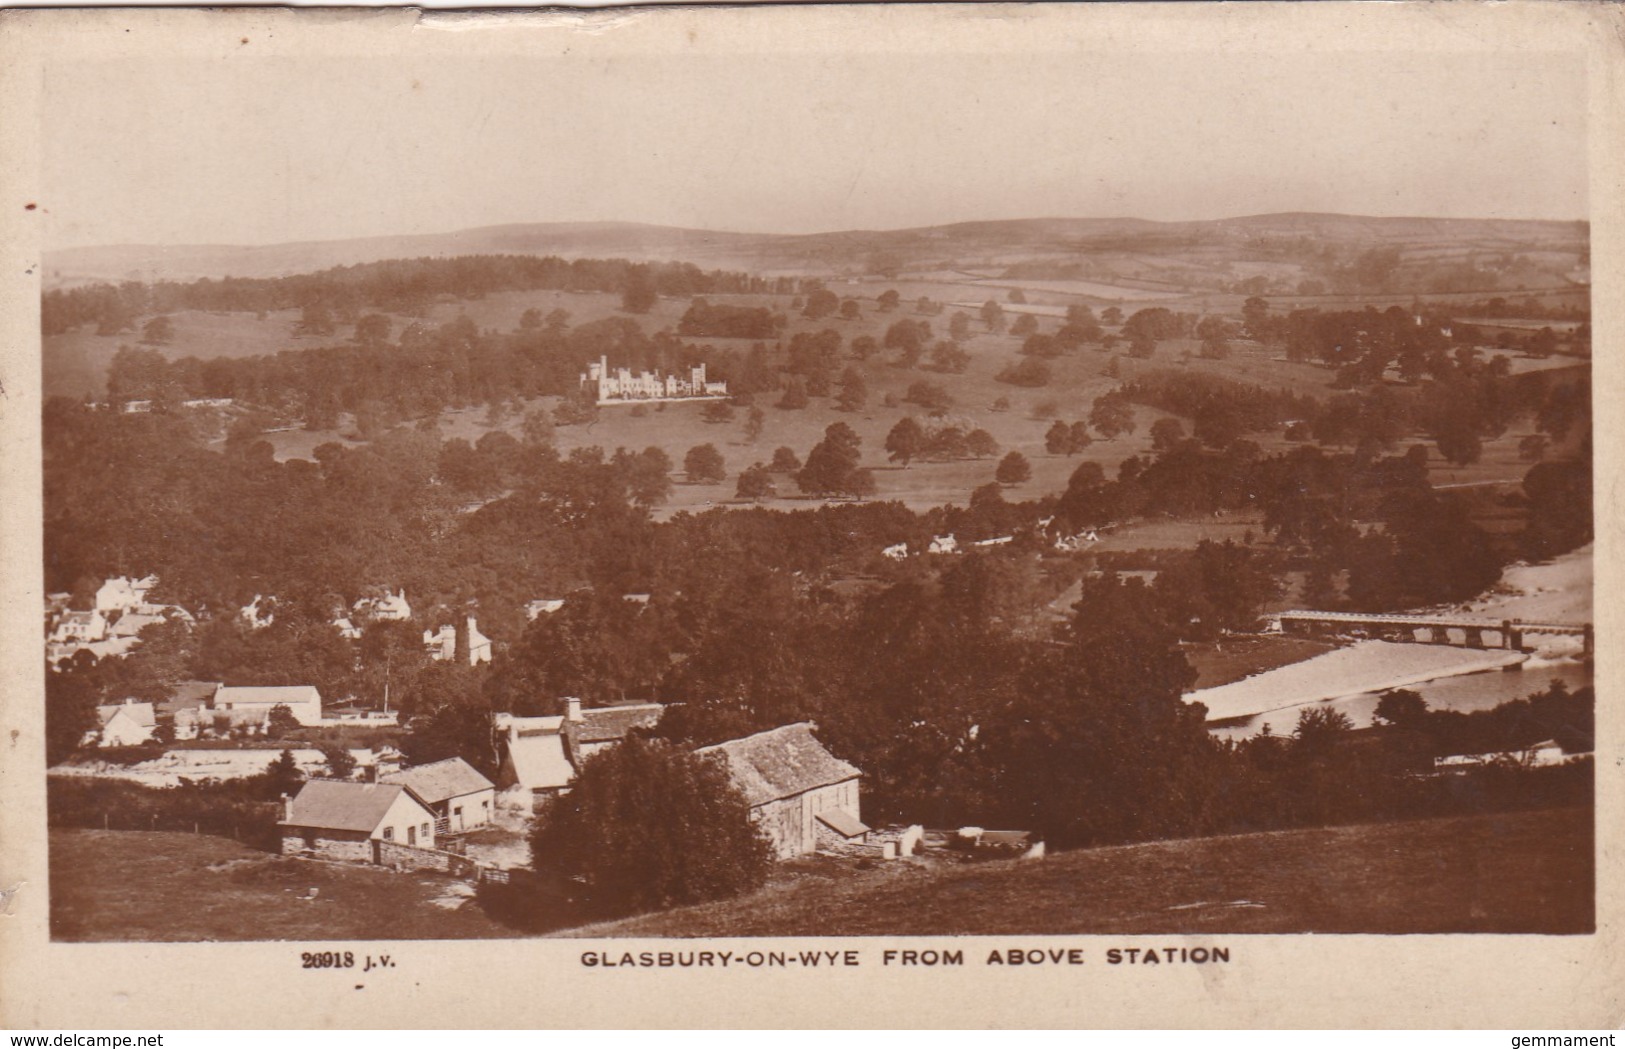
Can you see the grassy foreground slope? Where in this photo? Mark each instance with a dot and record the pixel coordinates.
(158, 886)
(1529, 872)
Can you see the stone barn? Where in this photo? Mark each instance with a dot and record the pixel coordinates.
(801, 796)
(339, 820)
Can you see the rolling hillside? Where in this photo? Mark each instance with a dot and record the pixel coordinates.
(996, 243)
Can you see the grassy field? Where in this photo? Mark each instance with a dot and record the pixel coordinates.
(1234, 658)
(143, 886)
(76, 364)
(1528, 872)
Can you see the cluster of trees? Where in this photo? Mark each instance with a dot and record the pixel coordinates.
(704, 319)
(939, 440)
(1468, 402)
(401, 286)
(1556, 714)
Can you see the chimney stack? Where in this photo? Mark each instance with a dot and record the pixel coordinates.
(287, 809)
(572, 708)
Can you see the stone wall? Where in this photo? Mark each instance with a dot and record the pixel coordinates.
(326, 846)
(409, 857)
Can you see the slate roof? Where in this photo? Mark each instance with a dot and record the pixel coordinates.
(142, 712)
(267, 695)
(536, 750)
(608, 724)
(781, 763)
(441, 780)
(333, 805)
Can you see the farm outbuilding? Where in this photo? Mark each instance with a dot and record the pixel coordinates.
(800, 795)
(339, 820)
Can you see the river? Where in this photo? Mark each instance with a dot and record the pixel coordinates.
(1464, 693)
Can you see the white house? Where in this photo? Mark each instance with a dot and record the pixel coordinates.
(800, 794)
(541, 755)
(944, 544)
(351, 821)
(125, 724)
(387, 608)
(302, 701)
(460, 798)
(123, 593)
(541, 605)
(442, 644)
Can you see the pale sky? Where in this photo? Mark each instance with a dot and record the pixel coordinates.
(250, 151)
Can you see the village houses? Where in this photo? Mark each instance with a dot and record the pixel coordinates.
(126, 724)
(442, 644)
(542, 755)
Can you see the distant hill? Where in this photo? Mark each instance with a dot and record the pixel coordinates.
(851, 252)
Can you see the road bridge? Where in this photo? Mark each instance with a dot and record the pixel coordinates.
(1462, 631)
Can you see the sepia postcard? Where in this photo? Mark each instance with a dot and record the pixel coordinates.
(812, 516)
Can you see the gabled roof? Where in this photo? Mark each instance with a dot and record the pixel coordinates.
(781, 763)
(441, 780)
(607, 724)
(141, 712)
(269, 695)
(132, 623)
(539, 760)
(334, 805)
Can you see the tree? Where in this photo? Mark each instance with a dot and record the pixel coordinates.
(639, 295)
(340, 762)
(1166, 434)
(854, 392)
(1025, 324)
(314, 319)
(648, 477)
(785, 461)
(372, 329)
(755, 421)
(820, 304)
(755, 482)
(1402, 708)
(851, 310)
(1111, 415)
(888, 300)
(282, 775)
(981, 444)
(704, 465)
(717, 412)
(959, 326)
(280, 722)
(160, 331)
(905, 440)
(1013, 469)
(1058, 439)
(993, 315)
(1111, 315)
(649, 825)
(1030, 371)
(794, 396)
(832, 466)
